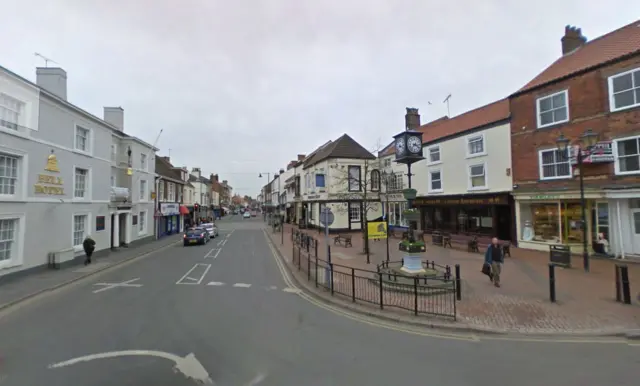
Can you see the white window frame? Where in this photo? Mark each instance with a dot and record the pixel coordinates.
(17, 250)
(87, 190)
(467, 142)
(142, 195)
(359, 217)
(22, 180)
(114, 152)
(87, 230)
(429, 149)
(161, 184)
(89, 143)
(143, 226)
(171, 194)
(538, 100)
(541, 170)
(616, 163)
(612, 104)
(22, 111)
(144, 162)
(486, 176)
(430, 188)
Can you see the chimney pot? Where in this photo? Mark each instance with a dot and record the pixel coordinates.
(114, 116)
(52, 79)
(412, 119)
(301, 157)
(572, 39)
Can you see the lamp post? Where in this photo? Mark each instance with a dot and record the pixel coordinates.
(265, 193)
(279, 210)
(385, 179)
(587, 140)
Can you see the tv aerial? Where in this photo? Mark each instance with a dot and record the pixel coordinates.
(46, 60)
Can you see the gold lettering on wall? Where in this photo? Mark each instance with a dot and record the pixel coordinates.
(44, 180)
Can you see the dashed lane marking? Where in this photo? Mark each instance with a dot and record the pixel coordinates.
(242, 285)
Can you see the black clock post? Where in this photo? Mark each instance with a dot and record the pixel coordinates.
(408, 146)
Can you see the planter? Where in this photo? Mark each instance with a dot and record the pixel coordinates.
(418, 247)
(411, 216)
(409, 194)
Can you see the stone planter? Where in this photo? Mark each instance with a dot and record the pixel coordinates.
(409, 194)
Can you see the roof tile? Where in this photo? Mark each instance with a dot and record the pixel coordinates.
(614, 45)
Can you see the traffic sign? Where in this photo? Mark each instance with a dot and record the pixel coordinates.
(326, 217)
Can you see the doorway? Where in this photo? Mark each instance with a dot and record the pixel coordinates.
(113, 222)
(503, 222)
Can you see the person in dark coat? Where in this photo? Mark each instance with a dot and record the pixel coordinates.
(88, 245)
(495, 259)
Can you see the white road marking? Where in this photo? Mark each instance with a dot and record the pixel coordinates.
(108, 286)
(257, 380)
(216, 283)
(230, 233)
(189, 366)
(291, 290)
(242, 285)
(272, 288)
(221, 243)
(213, 253)
(186, 276)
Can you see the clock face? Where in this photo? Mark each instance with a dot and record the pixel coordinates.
(400, 146)
(414, 144)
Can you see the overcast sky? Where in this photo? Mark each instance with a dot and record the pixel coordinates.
(241, 87)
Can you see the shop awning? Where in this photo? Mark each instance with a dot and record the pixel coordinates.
(184, 209)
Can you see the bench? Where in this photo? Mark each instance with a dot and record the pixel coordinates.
(344, 240)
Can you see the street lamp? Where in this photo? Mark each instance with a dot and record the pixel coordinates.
(265, 194)
(385, 181)
(587, 140)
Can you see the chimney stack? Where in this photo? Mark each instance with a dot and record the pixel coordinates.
(225, 182)
(572, 39)
(52, 79)
(196, 172)
(301, 157)
(168, 159)
(412, 119)
(114, 116)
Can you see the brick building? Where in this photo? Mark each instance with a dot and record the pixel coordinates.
(594, 85)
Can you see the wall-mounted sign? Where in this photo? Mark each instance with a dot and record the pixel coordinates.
(490, 200)
(601, 152)
(169, 208)
(100, 223)
(313, 197)
(49, 184)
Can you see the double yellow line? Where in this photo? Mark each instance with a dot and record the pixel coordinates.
(430, 334)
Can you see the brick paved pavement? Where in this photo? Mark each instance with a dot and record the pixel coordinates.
(15, 290)
(585, 303)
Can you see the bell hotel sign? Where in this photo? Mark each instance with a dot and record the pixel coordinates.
(47, 183)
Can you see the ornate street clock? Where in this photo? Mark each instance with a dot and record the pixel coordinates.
(408, 147)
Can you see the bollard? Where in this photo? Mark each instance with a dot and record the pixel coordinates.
(458, 283)
(616, 270)
(552, 282)
(626, 286)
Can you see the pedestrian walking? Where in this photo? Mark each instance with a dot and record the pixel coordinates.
(495, 259)
(89, 245)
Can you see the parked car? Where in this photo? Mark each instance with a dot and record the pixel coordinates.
(211, 228)
(253, 213)
(246, 215)
(196, 236)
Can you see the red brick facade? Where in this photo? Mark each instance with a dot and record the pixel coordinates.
(588, 109)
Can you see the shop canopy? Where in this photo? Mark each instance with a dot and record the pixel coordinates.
(184, 209)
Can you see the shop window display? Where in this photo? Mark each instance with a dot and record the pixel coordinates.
(545, 222)
(572, 223)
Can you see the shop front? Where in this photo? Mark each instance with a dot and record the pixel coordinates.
(624, 217)
(483, 215)
(169, 220)
(556, 218)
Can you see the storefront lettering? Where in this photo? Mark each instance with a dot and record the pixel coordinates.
(313, 197)
(169, 209)
(545, 197)
(45, 181)
(498, 200)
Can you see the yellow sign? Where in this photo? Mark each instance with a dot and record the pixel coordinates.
(45, 181)
(377, 230)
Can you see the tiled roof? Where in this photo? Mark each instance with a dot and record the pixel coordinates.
(614, 45)
(165, 169)
(442, 128)
(343, 147)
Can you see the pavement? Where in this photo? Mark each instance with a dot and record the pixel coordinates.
(230, 313)
(585, 301)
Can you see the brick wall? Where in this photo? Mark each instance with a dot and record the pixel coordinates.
(588, 108)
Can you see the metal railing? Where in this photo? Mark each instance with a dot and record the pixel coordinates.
(433, 295)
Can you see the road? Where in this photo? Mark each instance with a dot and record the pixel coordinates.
(234, 312)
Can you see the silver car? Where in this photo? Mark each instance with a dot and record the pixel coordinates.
(211, 228)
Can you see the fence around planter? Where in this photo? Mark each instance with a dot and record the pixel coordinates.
(433, 295)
